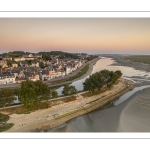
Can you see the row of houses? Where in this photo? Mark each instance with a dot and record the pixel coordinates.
(34, 72)
(59, 69)
(7, 78)
(3, 64)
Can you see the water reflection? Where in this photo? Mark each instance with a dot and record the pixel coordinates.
(106, 63)
(128, 94)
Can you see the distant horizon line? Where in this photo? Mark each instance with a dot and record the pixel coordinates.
(94, 53)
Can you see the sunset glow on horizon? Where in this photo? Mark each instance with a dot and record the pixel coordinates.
(89, 35)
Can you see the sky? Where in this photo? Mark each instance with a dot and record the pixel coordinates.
(75, 35)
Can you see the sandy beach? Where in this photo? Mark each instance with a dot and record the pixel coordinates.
(46, 118)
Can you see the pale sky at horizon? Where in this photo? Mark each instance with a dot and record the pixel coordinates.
(90, 35)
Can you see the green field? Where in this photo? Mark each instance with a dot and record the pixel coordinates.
(142, 58)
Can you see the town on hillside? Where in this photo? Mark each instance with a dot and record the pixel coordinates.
(18, 66)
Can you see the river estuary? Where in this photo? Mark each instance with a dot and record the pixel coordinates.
(128, 113)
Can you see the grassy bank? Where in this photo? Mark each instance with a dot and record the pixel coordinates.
(96, 92)
(81, 73)
(38, 106)
(142, 58)
(3, 122)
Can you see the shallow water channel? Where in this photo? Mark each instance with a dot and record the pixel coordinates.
(105, 63)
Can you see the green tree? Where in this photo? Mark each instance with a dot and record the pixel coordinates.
(100, 79)
(42, 90)
(32, 92)
(72, 90)
(41, 64)
(54, 94)
(6, 96)
(119, 73)
(46, 56)
(65, 90)
(95, 81)
(9, 63)
(91, 57)
(69, 90)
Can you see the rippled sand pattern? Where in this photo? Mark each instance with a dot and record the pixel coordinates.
(132, 115)
(135, 117)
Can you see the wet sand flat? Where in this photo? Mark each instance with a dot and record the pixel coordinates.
(131, 115)
(135, 116)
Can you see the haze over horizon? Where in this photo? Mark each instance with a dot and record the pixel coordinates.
(75, 35)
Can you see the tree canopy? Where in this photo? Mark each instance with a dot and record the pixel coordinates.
(32, 92)
(91, 57)
(15, 54)
(54, 94)
(69, 90)
(62, 55)
(6, 96)
(100, 79)
(41, 65)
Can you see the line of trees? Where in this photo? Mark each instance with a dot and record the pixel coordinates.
(47, 55)
(91, 57)
(31, 93)
(101, 79)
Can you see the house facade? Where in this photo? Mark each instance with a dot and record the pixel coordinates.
(7, 78)
(15, 65)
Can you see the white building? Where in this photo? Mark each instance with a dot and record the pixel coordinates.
(79, 63)
(68, 69)
(7, 78)
(58, 73)
(35, 64)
